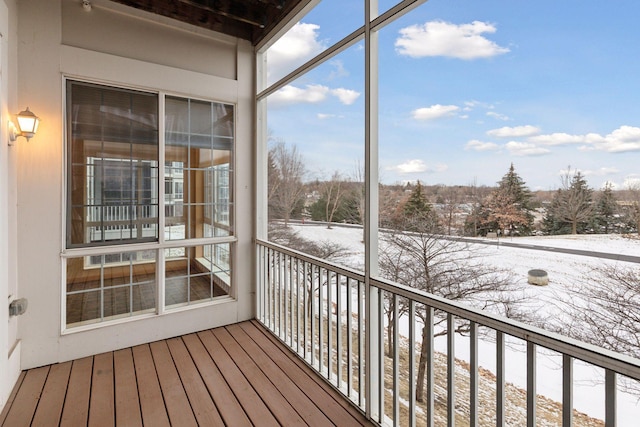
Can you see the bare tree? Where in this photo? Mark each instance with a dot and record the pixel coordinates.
(449, 269)
(286, 175)
(451, 200)
(332, 191)
(605, 311)
(393, 263)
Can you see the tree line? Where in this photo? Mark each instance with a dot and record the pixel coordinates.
(509, 208)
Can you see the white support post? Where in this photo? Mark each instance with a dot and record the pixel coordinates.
(373, 382)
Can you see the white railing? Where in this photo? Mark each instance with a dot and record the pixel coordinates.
(318, 310)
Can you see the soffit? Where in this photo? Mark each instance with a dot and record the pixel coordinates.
(246, 19)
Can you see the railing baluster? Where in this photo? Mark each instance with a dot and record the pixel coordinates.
(610, 405)
(283, 299)
(278, 293)
(329, 325)
(381, 375)
(430, 373)
(473, 375)
(567, 391)
(260, 280)
(291, 309)
(531, 384)
(451, 370)
(361, 368)
(313, 311)
(500, 383)
(339, 329)
(306, 307)
(349, 339)
(396, 363)
(412, 363)
(320, 322)
(297, 288)
(270, 292)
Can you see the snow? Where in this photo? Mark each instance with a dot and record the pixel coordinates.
(564, 271)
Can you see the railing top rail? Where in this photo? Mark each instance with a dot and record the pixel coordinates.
(623, 364)
(344, 271)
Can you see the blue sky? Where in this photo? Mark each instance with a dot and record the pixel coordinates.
(467, 87)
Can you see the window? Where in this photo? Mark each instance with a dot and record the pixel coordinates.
(116, 188)
(113, 164)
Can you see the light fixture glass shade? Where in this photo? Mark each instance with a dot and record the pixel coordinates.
(28, 123)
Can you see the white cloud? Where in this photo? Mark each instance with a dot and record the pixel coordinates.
(560, 138)
(481, 146)
(434, 112)
(417, 166)
(600, 172)
(525, 149)
(297, 46)
(514, 132)
(289, 94)
(410, 166)
(622, 140)
(311, 94)
(440, 38)
(498, 116)
(323, 116)
(346, 96)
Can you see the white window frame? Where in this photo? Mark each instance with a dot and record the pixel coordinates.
(161, 244)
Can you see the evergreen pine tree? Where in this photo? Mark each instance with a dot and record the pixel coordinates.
(606, 209)
(572, 206)
(417, 212)
(508, 207)
(417, 204)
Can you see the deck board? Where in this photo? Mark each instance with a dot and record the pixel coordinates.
(204, 409)
(152, 408)
(302, 403)
(257, 410)
(127, 403)
(12, 396)
(50, 406)
(230, 409)
(239, 375)
(102, 403)
(281, 408)
(27, 397)
(175, 397)
(76, 406)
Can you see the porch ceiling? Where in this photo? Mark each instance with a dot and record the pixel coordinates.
(247, 19)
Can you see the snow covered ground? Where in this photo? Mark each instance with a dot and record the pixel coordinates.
(564, 271)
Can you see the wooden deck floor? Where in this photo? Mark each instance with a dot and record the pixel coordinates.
(237, 375)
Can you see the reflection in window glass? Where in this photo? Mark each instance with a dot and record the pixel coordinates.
(197, 274)
(198, 162)
(113, 164)
(111, 286)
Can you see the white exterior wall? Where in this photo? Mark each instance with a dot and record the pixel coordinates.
(9, 343)
(55, 40)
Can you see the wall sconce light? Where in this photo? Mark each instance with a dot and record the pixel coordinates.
(27, 126)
